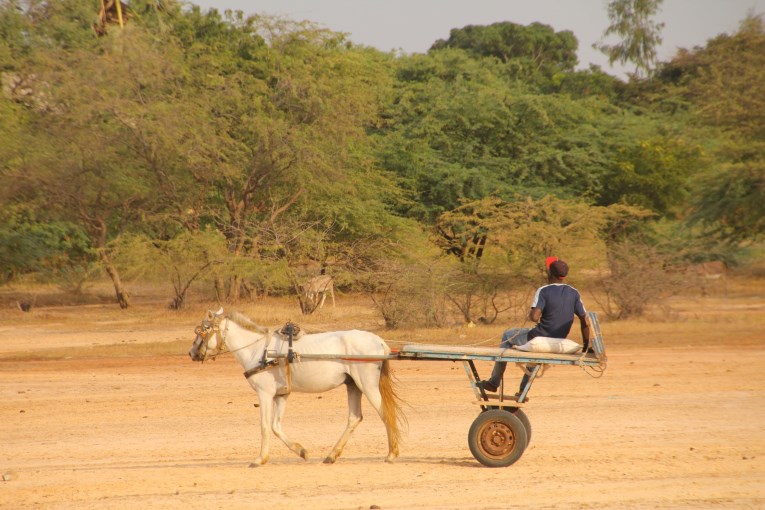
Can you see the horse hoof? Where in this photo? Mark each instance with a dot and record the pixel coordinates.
(257, 463)
(303, 454)
(329, 460)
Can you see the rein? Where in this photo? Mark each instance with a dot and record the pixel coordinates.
(223, 348)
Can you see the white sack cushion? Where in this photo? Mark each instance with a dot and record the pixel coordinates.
(547, 344)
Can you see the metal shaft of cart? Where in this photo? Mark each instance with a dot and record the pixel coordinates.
(534, 361)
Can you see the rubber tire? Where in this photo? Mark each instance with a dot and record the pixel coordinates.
(518, 413)
(521, 416)
(502, 430)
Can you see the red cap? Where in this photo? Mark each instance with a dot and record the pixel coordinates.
(550, 260)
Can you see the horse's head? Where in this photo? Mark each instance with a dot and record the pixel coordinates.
(208, 341)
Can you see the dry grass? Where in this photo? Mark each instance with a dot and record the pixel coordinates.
(149, 328)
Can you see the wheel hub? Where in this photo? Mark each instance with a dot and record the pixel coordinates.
(497, 439)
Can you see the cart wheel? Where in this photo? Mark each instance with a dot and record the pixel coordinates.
(497, 438)
(521, 416)
(518, 413)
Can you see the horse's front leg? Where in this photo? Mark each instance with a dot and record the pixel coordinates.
(280, 406)
(266, 414)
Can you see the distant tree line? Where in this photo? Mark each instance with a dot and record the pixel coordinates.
(243, 154)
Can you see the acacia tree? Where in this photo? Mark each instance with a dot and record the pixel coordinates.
(654, 173)
(181, 261)
(245, 123)
(535, 49)
(78, 162)
(725, 82)
(632, 21)
(457, 129)
(280, 129)
(500, 244)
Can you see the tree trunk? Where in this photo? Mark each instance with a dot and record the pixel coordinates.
(235, 291)
(122, 296)
(220, 289)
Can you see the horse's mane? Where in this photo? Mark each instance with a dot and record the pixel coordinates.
(247, 323)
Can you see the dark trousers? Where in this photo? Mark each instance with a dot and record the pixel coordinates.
(515, 336)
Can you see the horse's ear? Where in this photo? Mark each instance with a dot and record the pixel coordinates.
(209, 315)
(219, 312)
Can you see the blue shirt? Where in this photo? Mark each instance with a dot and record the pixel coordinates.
(559, 303)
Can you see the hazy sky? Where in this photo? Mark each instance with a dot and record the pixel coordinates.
(412, 26)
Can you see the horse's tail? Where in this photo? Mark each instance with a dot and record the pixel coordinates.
(392, 414)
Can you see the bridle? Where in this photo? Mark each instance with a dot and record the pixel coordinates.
(211, 325)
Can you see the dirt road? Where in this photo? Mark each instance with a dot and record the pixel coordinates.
(665, 427)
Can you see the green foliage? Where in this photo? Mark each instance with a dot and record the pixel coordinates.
(280, 147)
(26, 26)
(187, 258)
(533, 49)
(525, 231)
(723, 85)
(592, 82)
(279, 131)
(653, 174)
(459, 130)
(729, 200)
(725, 80)
(53, 250)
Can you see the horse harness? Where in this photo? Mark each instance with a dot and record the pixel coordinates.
(209, 328)
(290, 329)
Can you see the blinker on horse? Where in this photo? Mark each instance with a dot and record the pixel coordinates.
(324, 361)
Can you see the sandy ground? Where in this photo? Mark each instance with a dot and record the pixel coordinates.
(670, 425)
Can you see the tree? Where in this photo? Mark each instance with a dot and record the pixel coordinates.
(723, 86)
(535, 49)
(725, 79)
(729, 199)
(458, 129)
(631, 20)
(186, 119)
(500, 244)
(279, 135)
(84, 152)
(653, 174)
(86, 98)
(181, 261)
(54, 251)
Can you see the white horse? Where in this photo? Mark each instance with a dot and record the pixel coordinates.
(322, 362)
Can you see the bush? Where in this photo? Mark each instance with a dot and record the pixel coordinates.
(639, 275)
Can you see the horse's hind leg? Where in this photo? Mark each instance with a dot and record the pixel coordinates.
(384, 404)
(354, 418)
(280, 405)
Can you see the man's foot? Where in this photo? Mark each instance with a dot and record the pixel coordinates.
(487, 386)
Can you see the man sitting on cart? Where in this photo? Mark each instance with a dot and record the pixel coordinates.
(553, 309)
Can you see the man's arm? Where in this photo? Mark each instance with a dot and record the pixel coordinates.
(535, 314)
(586, 332)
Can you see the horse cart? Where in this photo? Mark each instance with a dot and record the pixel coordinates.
(274, 367)
(501, 432)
